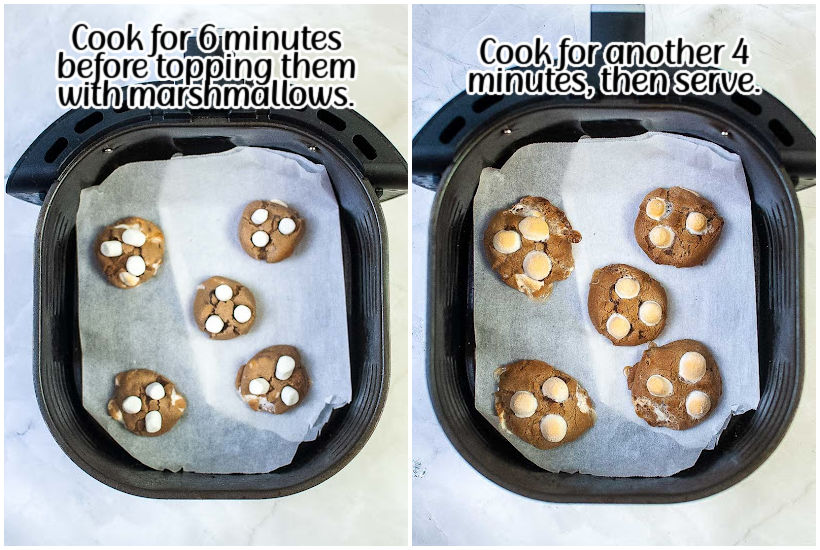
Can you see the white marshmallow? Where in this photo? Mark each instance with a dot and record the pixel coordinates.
(135, 265)
(696, 223)
(134, 237)
(111, 249)
(128, 279)
(259, 386)
(534, 228)
(223, 293)
(260, 215)
(289, 396)
(556, 389)
(287, 226)
(618, 325)
(657, 208)
(698, 404)
(661, 236)
(242, 313)
(260, 239)
(507, 242)
(692, 366)
(650, 313)
(153, 422)
(627, 287)
(284, 367)
(553, 428)
(155, 390)
(214, 324)
(659, 386)
(523, 404)
(277, 201)
(132, 404)
(537, 265)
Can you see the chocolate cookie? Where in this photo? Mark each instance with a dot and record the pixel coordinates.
(675, 386)
(129, 251)
(542, 405)
(145, 402)
(223, 308)
(626, 305)
(530, 246)
(274, 380)
(270, 230)
(677, 227)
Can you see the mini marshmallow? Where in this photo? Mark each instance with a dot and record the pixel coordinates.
(659, 386)
(627, 287)
(155, 390)
(556, 389)
(507, 242)
(661, 236)
(132, 404)
(553, 428)
(656, 208)
(214, 324)
(260, 215)
(698, 404)
(259, 386)
(618, 326)
(537, 265)
(134, 237)
(525, 284)
(223, 293)
(260, 239)
(111, 249)
(289, 396)
(242, 313)
(153, 422)
(650, 313)
(284, 367)
(696, 223)
(287, 226)
(692, 366)
(534, 228)
(523, 404)
(135, 265)
(128, 279)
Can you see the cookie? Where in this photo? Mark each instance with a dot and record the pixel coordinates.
(129, 251)
(675, 386)
(145, 402)
(530, 246)
(274, 380)
(224, 308)
(626, 305)
(542, 405)
(270, 230)
(677, 227)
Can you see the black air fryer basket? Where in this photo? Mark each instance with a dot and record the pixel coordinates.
(474, 132)
(83, 147)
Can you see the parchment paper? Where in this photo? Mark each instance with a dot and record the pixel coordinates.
(197, 202)
(600, 183)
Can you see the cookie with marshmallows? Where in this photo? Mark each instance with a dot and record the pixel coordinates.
(129, 251)
(530, 246)
(224, 308)
(274, 380)
(626, 305)
(145, 402)
(541, 404)
(677, 227)
(270, 230)
(675, 386)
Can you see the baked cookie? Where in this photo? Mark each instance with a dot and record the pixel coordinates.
(677, 227)
(530, 246)
(129, 251)
(145, 402)
(270, 230)
(274, 380)
(542, 405)
(674, 386)
(223, 308)
(626, 305)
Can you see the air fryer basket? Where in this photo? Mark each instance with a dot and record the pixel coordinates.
(474, 132)
(81, 148)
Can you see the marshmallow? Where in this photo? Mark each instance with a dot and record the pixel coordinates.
(284, 367)
(289, 396)
(556, 389)
(134, 237)
(223, 293)
(656, 208)
(135, 265)
(260, 215)
(553, 428)
(537, 265)
(696, 223)
(661, 236)
(650, 313)
(692, 366)
(154, 390)
(581, 401)
(534, 228)
(242, 313)
(507, 242)
(523, 404)
(627, 287)
(259, 386)
(128, 279)
(525, 284)
(260, 239)
(659, 386)
(618, 326)
(214, 324)
(153, 422)
(287, 226)
(111, 249)
(277, 201)
(698, 404)
(132, 404)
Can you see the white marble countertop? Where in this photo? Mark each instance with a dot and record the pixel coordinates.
(48, 499)
(453, 503)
